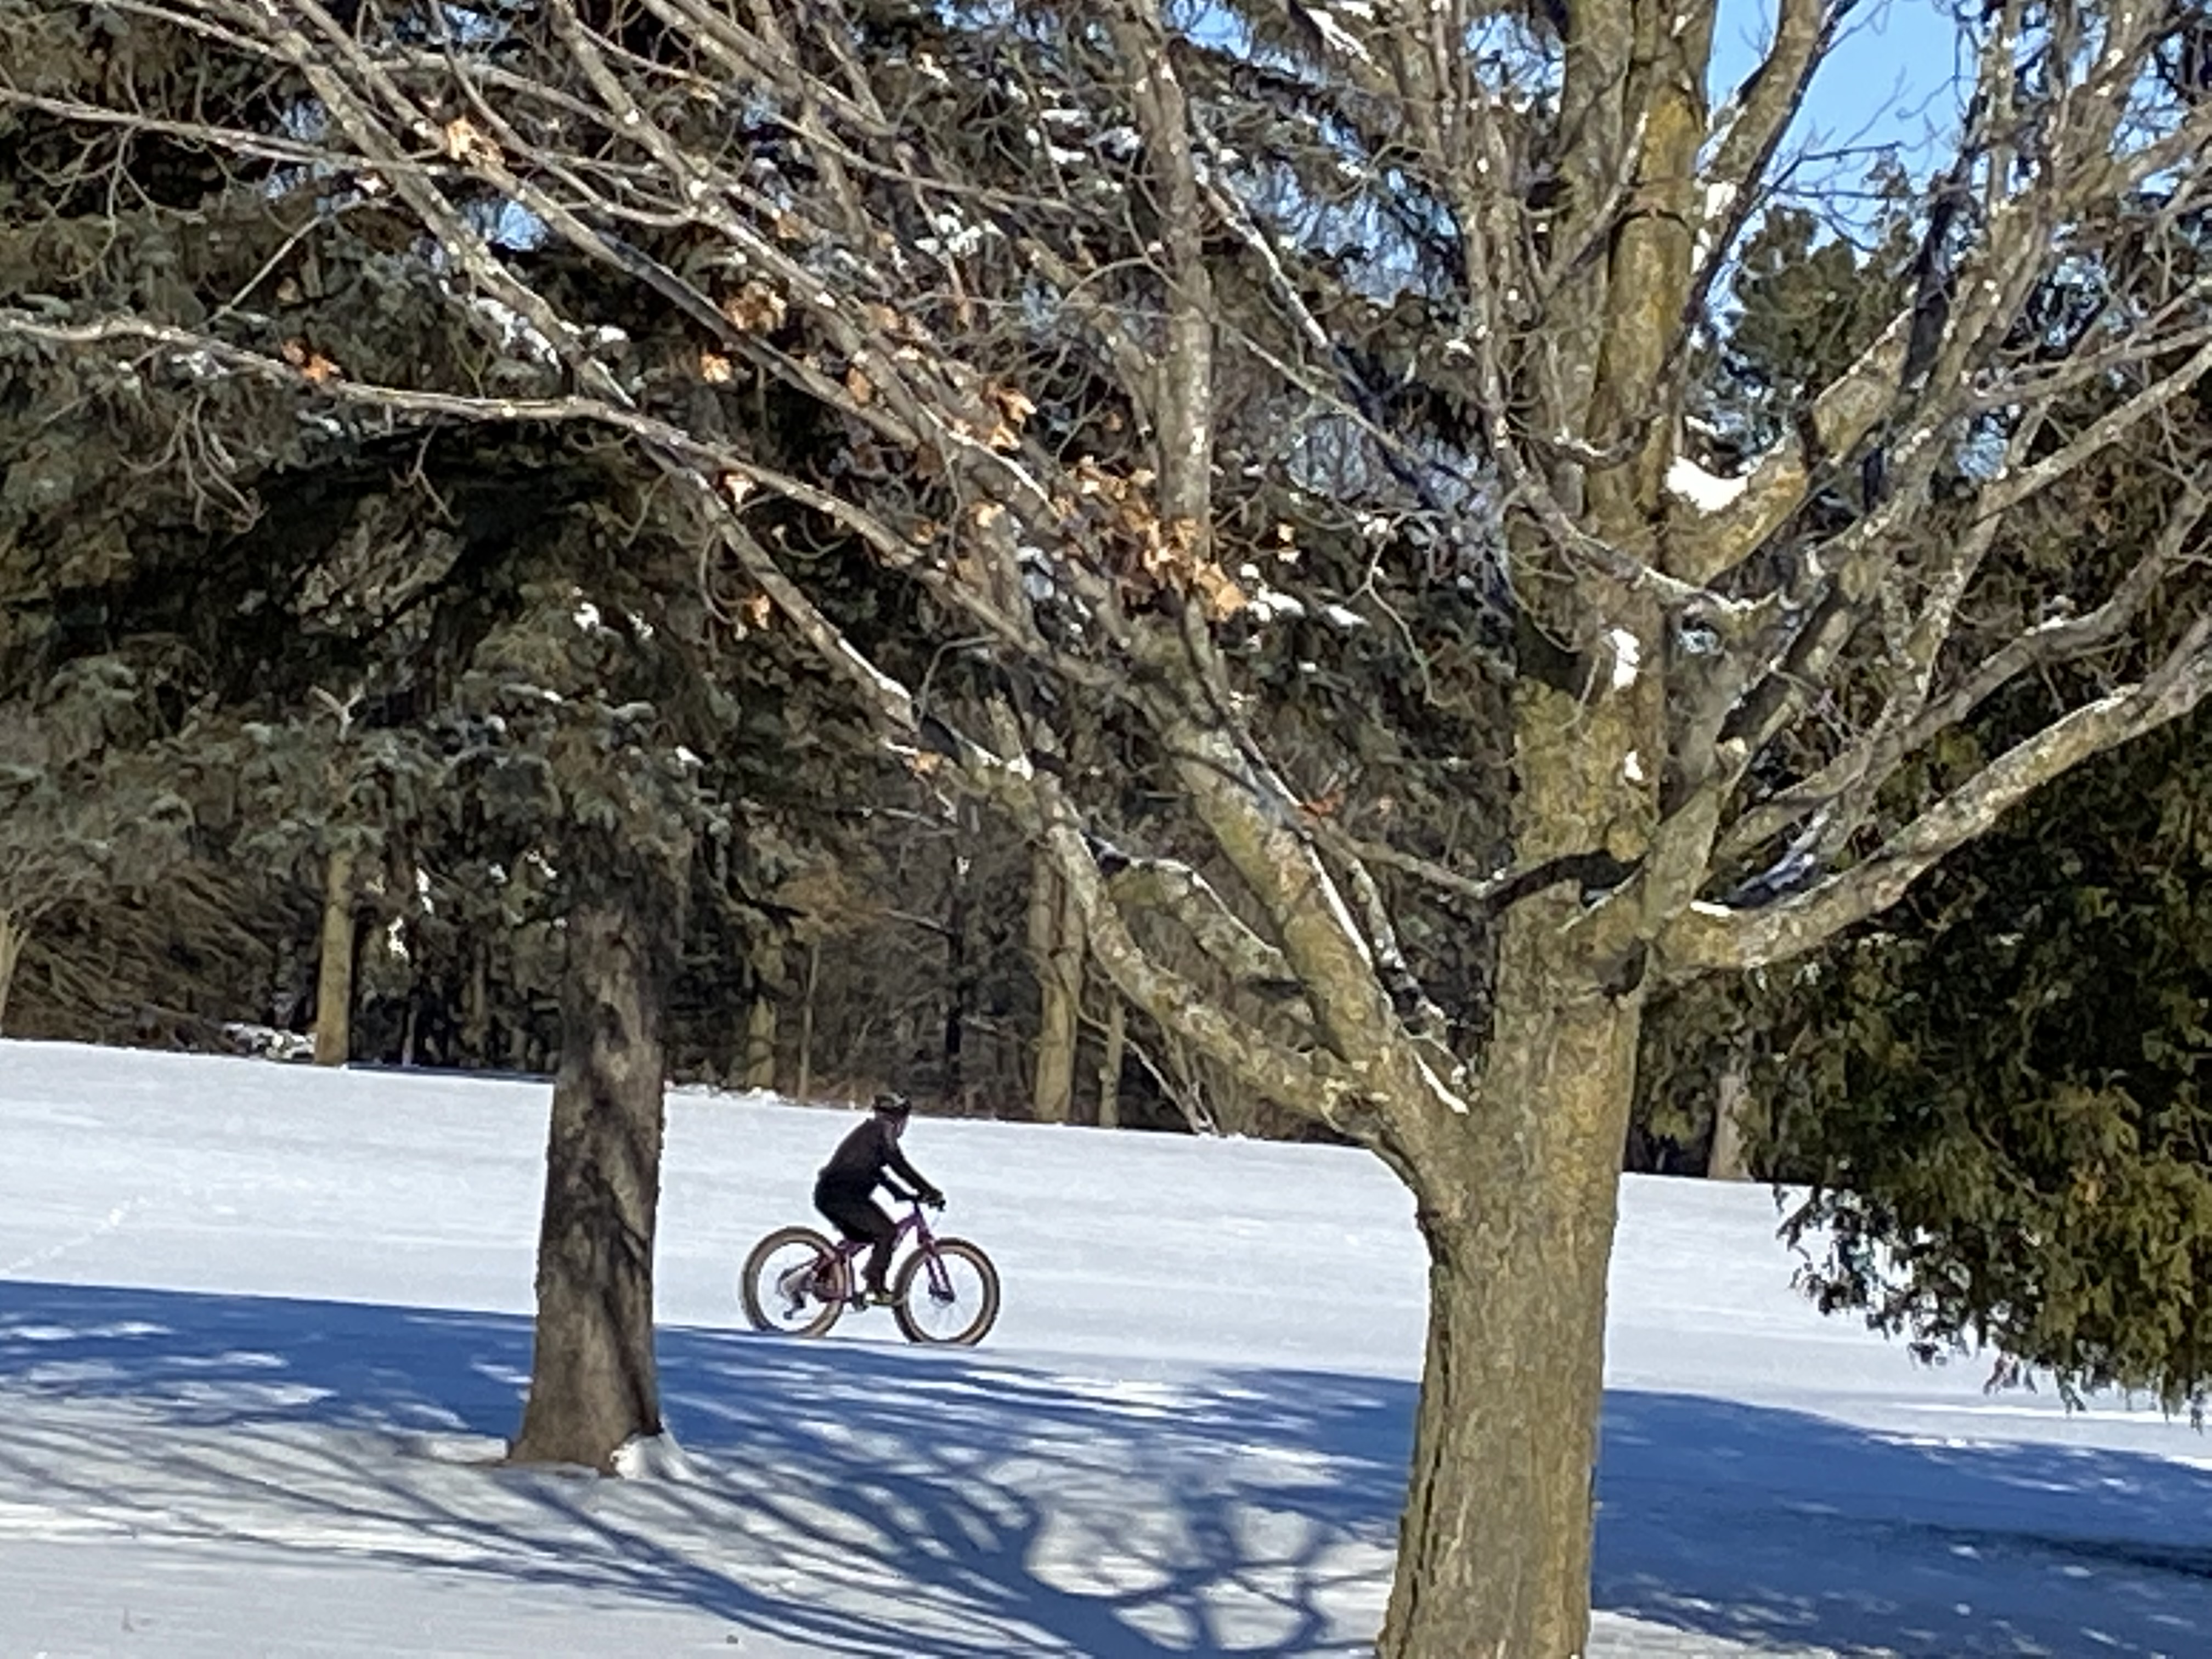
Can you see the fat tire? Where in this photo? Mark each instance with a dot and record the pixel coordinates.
(912, 1280)
(749, 1284)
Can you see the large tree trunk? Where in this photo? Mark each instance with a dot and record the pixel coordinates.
(593, 1384)
(334, 973)
(11, 950)
(1515, 1200)
(1494, 1551)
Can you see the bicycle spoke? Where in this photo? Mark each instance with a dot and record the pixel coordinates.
(789, 1293)
(948, 1299)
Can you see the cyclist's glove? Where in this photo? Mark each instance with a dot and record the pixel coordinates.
(934, 1198)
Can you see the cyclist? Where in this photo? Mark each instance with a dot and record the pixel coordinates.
(845, 1190)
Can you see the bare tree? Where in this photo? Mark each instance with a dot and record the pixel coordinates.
(1050, 314)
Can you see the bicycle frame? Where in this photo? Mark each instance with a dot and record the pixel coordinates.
(940, 1283)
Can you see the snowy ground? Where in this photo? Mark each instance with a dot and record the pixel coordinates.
(259, 1326)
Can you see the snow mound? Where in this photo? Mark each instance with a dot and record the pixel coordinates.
(655, 1457)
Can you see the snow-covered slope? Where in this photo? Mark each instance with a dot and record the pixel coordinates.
(260, 1326)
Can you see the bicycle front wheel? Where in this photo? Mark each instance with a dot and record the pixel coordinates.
(794, 1282)
(949, 1295)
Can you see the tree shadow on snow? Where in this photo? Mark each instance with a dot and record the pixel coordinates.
(852, 1498)
(865, 1499)
(1783, 1528)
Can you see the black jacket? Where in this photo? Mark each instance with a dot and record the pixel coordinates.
(863, 1157)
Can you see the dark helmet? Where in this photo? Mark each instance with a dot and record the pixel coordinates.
(893, 1106)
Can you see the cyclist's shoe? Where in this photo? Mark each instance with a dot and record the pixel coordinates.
(877, 1296)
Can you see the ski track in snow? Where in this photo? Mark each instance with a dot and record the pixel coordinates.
(253, 1406)
(107, 1224)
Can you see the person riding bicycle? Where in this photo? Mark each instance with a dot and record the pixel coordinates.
(845, 1190)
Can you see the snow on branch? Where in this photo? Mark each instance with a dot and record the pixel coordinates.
(1691, 483)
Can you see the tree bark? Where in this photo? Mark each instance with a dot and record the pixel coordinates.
(1056, 950)
(1109, 1064)
(1518, 1211)
(1725, 1160)
(760, 1016)
(476, 1005)
(334, 972)
(593, 1384)
(807, 1021)
(12, 934)
(959, 974)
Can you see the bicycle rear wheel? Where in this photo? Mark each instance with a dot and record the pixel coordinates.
(793, 1282)
(955, 1306)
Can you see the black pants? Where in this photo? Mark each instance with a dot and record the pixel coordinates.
(859, 1216)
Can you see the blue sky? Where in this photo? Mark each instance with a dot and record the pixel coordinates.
(1888, 81)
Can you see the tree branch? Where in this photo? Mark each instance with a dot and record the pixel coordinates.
(1181, 892)
(1865, 767)
(1709, 936)
(1707, 547)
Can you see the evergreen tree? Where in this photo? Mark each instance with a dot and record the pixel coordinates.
(1989, 1088)
(1998, 1099)
(84, 801)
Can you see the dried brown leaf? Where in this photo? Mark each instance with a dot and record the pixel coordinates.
(1013, 403)
(1092, 479)
(1218, 591)
(310, 362)
(756, 308)
(468, 144)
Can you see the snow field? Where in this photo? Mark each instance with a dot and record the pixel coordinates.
(261, 1328)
